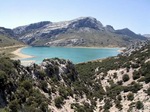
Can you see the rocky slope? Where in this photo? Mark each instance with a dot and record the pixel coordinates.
(120, 83)
(84, 31)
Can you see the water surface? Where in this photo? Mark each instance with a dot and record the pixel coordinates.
(76, 55)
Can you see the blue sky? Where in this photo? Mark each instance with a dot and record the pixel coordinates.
(133, 14)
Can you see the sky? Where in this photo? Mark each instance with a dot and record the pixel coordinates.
(132, 14)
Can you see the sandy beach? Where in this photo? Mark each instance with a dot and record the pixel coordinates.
(20, 55)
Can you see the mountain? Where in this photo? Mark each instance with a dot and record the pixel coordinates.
(147, 36)
(6, 37)
(83, 31)
(7, 32)
(119, 84)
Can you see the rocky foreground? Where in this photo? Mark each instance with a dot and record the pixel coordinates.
(120, 83)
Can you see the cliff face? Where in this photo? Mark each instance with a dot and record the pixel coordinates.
(120, 83)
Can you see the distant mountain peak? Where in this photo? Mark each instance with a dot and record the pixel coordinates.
(84, 18)
(86, 22)
(110, 28)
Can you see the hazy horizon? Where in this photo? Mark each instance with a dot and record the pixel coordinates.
(120, 14)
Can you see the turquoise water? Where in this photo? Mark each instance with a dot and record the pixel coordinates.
(76, 55)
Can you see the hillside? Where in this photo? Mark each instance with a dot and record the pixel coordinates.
(120, 83)
(83, 31)
(7, 41)
(6, 37)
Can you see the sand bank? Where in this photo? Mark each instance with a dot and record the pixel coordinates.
(20, 55)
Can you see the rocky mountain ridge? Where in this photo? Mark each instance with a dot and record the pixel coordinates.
(83, 31)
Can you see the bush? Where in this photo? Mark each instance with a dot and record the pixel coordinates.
(44, 86)
(125, 78)
(148, 91)
(14, 106)
(139, 105)
(44, 106)
(147, 78)
(119, 98)
(136, 75)
(41, 74)
(2, 78)
(135, 87)
(119, 82)
(107, 105)
(27, 84)
(118, 104)
(130, 96)
(58, 102)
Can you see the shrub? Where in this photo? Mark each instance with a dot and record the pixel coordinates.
(125, 78)
(148, 91)
(41, 74)
(147, 78)
(2, 78)
(119, 98)
(135, 87)
(107, 105)
(115, 75)
(44, 106)
(130, 96)
(119, 82)
(135, 65)
(14, 106)
(139, 105)
(136, 75)
(44, 86)
(58, 102)
(27, 84)
(118, 104)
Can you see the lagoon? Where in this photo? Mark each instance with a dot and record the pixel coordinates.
(76, 55)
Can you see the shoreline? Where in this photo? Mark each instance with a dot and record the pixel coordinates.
(85, 47)
(19, 55)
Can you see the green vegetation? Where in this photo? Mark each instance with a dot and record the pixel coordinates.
(86, 107)
(18, 89)
(125, 78)
(130, 96)
(59, 102)
(139, 105)
(148, 91)
(35, 87)
(7, 41)
(136, 75)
